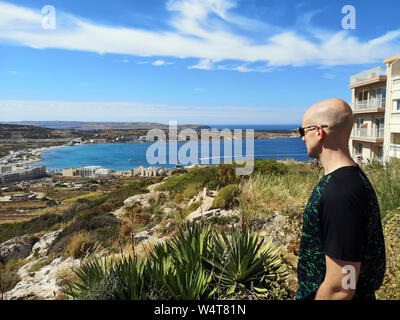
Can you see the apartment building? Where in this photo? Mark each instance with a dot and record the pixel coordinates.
(22, 174)
(369, 90)
(70, 172)
(392, 114)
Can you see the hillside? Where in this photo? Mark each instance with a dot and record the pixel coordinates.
(81, 125)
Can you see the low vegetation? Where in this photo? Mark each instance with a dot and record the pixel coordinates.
(195, 264)
(9, 276)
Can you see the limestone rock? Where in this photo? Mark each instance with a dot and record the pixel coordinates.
(40, 248)
(43, 283)
(207, 198)
(140, 236)
(119, 212)
(143, 200)
(196, 216)
(19, 247)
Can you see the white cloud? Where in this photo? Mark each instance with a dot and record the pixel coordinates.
(160, 63)
(204, 64)
(201, 29)
(244, 68)
(13, 72)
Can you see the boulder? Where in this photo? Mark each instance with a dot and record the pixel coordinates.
(40, 248)
(143, 200)
(19, 247)
(140, 236)
(206, 197)
(43, 283)
(196, 216)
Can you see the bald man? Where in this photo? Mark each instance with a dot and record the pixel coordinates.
(342, 250)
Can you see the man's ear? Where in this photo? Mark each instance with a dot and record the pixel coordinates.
(320, 133)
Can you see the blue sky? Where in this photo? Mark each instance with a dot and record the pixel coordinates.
(194, 61)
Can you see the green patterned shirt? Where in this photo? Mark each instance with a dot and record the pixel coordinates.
(342, 220)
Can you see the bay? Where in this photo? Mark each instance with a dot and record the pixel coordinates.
(131, 155)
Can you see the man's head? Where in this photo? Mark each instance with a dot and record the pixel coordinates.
(329, 125)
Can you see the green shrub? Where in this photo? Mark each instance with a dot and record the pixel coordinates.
(243, 262)
(270, 166)
(195, 264)
(226, 197)
(386, 183)
(189, 209)
(211, 177)
(192, 190)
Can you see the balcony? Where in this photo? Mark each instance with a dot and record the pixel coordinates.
(394, 150)
(369, 106)
(368, 135)
(368, 77)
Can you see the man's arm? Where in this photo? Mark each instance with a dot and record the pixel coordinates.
(334, 286)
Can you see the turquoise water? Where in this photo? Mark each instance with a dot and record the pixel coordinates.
(131, 155)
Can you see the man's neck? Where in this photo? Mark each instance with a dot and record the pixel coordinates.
(333, 160)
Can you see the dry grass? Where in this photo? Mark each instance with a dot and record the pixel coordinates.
(79, 245)
(262, 195)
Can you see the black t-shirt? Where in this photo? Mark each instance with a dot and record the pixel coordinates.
(342, 220)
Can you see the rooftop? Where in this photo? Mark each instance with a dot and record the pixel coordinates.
(392, 59)
(367, 77)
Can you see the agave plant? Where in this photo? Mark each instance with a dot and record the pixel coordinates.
(93, 277)
(243, 262)
(195, 264)
(190, 245)
(180, 263)
(131, 273)
(100, 279)
(186, 283)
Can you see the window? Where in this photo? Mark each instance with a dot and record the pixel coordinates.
(398, 105)
(380, 152)
(377, 93)
(359, 148)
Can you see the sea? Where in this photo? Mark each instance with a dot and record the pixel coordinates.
(127, 156)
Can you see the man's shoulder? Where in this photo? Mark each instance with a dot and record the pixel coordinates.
(346, 179)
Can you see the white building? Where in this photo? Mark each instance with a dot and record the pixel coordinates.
(392, 115)
(94, 172)
(376, 108)
(27, 173)
(89, 172)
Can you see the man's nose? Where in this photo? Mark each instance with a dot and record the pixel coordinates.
(303, 139)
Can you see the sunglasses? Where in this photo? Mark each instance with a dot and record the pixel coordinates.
(303, 132)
